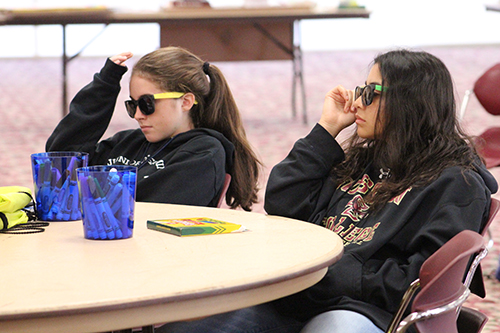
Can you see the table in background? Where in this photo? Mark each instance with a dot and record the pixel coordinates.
(57, 281)
(214, 34)
(495, 8)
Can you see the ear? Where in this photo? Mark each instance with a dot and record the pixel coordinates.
(188, 101)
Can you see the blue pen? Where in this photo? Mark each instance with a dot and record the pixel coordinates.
(102, 215)
(109, 214)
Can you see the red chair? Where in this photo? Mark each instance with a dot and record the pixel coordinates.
(487, 91)
(476, 286)
(442, 292)
(494, 208)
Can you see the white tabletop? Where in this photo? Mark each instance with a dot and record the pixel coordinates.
(57, 281)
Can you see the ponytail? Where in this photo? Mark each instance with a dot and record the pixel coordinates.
(221, 114)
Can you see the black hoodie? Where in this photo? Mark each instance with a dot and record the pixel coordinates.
(383, 252)
(187, 169)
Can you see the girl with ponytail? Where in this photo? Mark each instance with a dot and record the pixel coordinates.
(190, 134)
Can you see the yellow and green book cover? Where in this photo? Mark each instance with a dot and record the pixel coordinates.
(194, 226)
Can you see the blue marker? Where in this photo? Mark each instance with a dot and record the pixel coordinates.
(112, 180)
(75, 209)
(127, 200)
(109, 214)
(45, 189)
(57, 202)
(114, 189)
(56, 175)
(71, 194)
(95, 229)
(114, 194)
(72, 166)
(103, 216)
(54, 204)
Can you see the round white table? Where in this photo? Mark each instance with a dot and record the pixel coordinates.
(57, 281)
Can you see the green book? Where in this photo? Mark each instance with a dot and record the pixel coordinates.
(194, 226)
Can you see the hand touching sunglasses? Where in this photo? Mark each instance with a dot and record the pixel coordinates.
(146, 103)
(368, 92)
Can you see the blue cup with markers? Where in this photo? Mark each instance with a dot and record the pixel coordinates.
(107, 195)
(55, 183)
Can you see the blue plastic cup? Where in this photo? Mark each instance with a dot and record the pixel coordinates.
(55, 183)
(107, 195)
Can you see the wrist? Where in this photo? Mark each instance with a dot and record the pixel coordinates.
(333, 129)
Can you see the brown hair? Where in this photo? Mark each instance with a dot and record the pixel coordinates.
(420, 135)
(176, 69)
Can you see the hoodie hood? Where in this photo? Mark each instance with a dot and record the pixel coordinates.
(182, 138)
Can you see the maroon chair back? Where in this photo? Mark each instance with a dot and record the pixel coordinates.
(494, 208)
(477, 284)
(488, 145)
(441, 277)
(487, 90)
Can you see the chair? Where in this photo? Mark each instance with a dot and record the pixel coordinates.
(227, 182)
(487, 91)
(486, 231)
(471, 321)
(442, 292)
(477, 284)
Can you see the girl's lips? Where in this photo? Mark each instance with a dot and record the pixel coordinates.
(359, 120)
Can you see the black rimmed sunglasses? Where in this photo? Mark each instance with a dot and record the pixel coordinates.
(368, 92)
(146, 103)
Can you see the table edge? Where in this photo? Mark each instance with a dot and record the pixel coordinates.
(171, 299)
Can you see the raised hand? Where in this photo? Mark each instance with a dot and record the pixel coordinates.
(338, 110)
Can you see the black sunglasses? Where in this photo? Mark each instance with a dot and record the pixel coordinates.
(368, 92)
(146, 103)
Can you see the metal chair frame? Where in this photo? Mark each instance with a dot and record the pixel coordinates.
(450, 303)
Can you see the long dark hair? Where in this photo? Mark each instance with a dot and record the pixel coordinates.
(418, 131)
(176, 69)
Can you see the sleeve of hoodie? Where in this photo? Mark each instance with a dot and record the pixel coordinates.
(295, 184)
(90, 112)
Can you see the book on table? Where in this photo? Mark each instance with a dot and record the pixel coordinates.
(194, 226)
